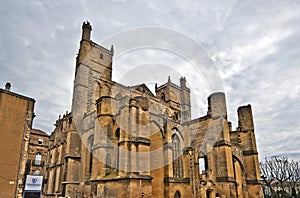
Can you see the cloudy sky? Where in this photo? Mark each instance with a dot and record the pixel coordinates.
(255, 46)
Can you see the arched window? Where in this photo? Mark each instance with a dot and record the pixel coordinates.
(177, 158)
(101, 56)
(163, 97)
(203, 166)
(38, 158)
(117, 133)
(177, 194)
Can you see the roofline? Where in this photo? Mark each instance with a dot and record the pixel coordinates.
(166, 84)
(143, 84)
(38, 132)
(17, 95)
(94, 44)
(200, 119)
(171, 84)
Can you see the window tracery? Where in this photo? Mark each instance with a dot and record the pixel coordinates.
(177, 157)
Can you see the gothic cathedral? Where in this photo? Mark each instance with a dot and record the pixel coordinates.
(125, 141)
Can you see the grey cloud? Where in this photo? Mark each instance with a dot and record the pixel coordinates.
(259, 41)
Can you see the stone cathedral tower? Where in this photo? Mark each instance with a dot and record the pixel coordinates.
(125, 141)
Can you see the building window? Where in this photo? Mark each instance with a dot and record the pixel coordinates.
(90, 154)
(117, 133)
(163, 97)
(101, 56)
(176, 116)
(177, 194)
(203, 166)
(38, 159)
(36, 172)
(177, 158)
(40, 141)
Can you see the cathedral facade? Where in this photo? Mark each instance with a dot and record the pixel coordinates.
(125, 141)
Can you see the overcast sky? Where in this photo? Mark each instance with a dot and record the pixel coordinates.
(255, 46)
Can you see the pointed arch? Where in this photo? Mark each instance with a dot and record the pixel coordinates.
(178, 133)
(158, 126)
(238, 169)
(177, 194)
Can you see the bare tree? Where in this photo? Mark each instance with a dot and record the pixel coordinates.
(279, 170)
(294, 171)
(280, 166)
(267, 177)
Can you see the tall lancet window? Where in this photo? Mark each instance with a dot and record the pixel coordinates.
(177, 157)
(90, 143)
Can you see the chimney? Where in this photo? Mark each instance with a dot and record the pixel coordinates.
(7, 86)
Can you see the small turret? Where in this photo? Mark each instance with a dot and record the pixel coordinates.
(86, 31)
(112, 50)
(182, 82)
(185, 101)
(85, 44)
